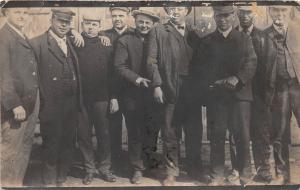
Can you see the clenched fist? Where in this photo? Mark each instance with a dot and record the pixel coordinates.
(19, 113)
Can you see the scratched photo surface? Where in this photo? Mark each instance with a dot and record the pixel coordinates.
(139, 94)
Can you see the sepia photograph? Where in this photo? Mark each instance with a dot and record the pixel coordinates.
(150, 94)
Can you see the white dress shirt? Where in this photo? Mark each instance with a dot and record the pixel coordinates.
(62, 42)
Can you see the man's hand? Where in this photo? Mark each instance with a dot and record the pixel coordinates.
(19, 113)
(78, 39)
(158, 95)
(231, 82)
(105, 40)
(142, 82)
(114, 106)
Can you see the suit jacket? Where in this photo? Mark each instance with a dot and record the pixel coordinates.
(19, 84)
(50, 60)
(163, 57)
(129, 65)
(113, 35)
(269, 55)
(220, 58)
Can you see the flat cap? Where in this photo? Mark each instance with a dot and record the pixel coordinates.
(63, 13)
(249, 7)
(148, 11)
(125, 9)
(91, 16)
(223, 9)
(187, 6)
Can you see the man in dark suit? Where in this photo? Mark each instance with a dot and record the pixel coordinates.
(129, 64)
(60, 96)
(119, 20)
(170, 51)
(258, 129)
(96, 84)
(19, 97)
(282, 76)
(230, 63)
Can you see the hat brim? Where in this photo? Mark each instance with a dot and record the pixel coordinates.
(188, 7)
(138, 12)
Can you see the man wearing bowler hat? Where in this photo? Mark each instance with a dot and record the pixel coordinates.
(129, 62)
(258, 129)
(170, 51)
(60, 96)
(231, 63)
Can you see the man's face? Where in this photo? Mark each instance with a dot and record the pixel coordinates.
(119, 18)
(91, 28)
(280, 14)
(143, 23)
(177, 14)
(224, 21)
(17, 17)
(60, 27)
(246, 18)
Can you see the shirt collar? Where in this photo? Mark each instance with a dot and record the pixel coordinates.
(56, 37)
(225, 33)
(249, 29)
(176, 26)
(121, 31)
(17, 30)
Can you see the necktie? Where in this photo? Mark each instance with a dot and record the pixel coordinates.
(63, 45)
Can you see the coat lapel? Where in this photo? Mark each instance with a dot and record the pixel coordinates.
(55, 49)
(173, 31)
(20, 39)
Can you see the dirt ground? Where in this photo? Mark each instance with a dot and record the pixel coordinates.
(153, 178)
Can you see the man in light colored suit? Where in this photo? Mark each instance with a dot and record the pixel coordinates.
(281, 83)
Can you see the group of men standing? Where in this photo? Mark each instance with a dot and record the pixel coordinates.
(158, 76)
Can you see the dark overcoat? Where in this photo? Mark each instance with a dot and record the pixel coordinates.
(163, 57)
(50, 60)
(129, 65)
(19, 84)
(221, 58)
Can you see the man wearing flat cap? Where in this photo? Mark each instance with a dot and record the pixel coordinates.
(119, 16)
(281, 70)
(258, 129)
(129, 63)
(60, 96)
(19, 97)
(230, 62)
(95, 69)
(169, 54)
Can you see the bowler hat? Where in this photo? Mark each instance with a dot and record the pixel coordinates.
(223, 9)
(148, 12)
(126, 9)
(63, 14)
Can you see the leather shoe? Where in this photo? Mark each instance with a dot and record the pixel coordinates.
(108, 176)
(136, 178)
(169, 181)
(88, 179)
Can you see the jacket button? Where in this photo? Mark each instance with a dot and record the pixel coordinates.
(54, 78)
(34, 73)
